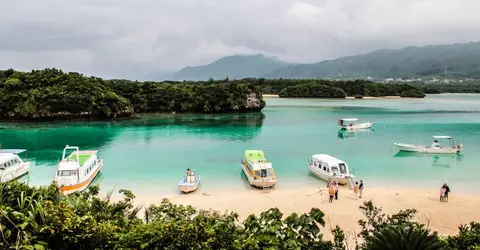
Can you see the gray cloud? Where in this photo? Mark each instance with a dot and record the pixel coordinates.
(136, 38)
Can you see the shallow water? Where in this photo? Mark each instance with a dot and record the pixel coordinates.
(149, 155)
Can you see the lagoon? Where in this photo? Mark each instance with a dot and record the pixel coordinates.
(150, 154)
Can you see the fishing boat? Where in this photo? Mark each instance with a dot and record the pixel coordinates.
(77, 170)
(189, 182)
(450, 148)
(258, 170)
(12, 167)
(327, 168)
(352, 124)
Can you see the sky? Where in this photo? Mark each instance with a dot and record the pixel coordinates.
(143, 39)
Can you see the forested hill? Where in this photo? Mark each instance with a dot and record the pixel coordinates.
(53, 94)
(234, 67)
(461, 60)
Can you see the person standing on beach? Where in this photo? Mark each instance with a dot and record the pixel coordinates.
(336, 190)
(360, 189)
(447, 190)
(355, 189)
(442, 193)
(331, 192)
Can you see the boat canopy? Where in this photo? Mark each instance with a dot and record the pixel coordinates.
(330, 160)
(12, 151)
(349, 119)
(442, 137)
(254, 155)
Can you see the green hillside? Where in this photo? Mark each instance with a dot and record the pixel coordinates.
(462, 60)
(237, 67)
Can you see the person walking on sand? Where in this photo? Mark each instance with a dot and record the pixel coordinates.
(447, 190)
(442, 193)
(360, 189)
(331, 192)
(355, 189)
(329, 183)
(336, 190)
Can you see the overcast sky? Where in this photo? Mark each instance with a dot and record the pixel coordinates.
(138, 39)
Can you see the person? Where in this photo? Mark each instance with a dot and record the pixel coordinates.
(336, 190)
(189, 172)
(329, 183)
(360, 189)
(447, 190)
(442, 193)
(355, 189)
(435, 144)
(331, 192)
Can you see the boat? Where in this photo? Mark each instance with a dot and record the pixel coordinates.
(76, 171)
(258, 170)
(451, 148)
(12, 167)
(189, 183)
(352, 124)
(327, 168)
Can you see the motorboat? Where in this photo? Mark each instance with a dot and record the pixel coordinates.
(189, 182)
(258, 170)
(12, 167)
(77, 170)
(353, 124)
(329, 168)
(450, 148)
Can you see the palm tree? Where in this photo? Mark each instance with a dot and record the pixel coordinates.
(403, 238)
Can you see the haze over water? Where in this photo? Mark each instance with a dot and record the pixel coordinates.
(149, 155)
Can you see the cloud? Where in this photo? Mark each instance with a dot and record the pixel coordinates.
(136, 38)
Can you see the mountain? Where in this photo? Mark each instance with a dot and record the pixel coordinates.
(461, 60)
(237, 66)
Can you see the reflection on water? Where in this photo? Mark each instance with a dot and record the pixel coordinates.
(345, 134)
(439, 160)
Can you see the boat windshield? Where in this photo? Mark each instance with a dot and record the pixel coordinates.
(335, 170)
(263, 173)
(343, 168)
(66, 172)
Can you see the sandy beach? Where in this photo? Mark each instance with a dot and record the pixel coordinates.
(443, 217)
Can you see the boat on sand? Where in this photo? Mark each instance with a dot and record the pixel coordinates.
(450, 148)
(189, 182)
(258, 170)
(352, 124)
(77, 170)
(327, 168)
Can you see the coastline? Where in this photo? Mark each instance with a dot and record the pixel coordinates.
(352, 97)
(441, 217)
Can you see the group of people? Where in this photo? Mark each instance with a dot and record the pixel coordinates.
(444, 190)
(333, 188)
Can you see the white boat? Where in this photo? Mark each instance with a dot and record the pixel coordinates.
(327, 168)
(352, 124)
(450, 148)
(76, 171)
(258, 170)
(189, 183)
(12, 166)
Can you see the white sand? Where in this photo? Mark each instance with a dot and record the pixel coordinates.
(442, 217)
(269, 96)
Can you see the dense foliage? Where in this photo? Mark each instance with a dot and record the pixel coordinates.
(461, 60)
(312, 90)
(449, 88)
(51, 93)
(43, 218)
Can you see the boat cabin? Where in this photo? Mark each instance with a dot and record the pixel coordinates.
(347, 122)
(9, 160)
(330, 165)
(445, 137)
(258, 165)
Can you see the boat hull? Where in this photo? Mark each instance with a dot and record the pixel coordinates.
(15, 173)
(258, 183)
(187, 187)
(425, 150)
(365, 125)
(342, 180)
(68, 189)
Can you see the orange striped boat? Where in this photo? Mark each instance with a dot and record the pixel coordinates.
(76, 171)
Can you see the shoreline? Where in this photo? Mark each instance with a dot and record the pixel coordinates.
(344, 212)
(348, 97)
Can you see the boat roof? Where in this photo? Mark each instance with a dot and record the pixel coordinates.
(7, 157)
(327, 158)
(12, 151)
(442, 137)
(350, 119)
(254, 155)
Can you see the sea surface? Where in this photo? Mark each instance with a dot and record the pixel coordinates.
(149, 155)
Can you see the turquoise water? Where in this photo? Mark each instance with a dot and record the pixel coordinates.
(149, 155)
